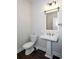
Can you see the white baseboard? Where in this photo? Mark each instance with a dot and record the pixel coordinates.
(41, 48)
(48, 56)
(19, 50)
(57, 54)
(54, 53)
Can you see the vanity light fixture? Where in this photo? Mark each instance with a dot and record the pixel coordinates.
(52, 9)
(50, 4)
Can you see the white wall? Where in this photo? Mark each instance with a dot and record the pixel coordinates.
(38, 19)
(39, 25)
(23, 22)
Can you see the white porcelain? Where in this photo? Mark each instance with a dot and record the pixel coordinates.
(49, 37)
(29, 45)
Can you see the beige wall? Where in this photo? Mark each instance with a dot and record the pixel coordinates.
(23, 22)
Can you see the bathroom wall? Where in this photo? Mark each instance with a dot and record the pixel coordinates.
(23, 22)
(39, 25)
(38, 19)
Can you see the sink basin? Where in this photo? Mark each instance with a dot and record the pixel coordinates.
(49, 37)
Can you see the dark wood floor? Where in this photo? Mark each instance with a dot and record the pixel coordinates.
(37, 54)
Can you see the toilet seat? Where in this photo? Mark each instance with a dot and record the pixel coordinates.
(28, 45)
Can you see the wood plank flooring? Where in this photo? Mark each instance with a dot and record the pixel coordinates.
(37, 54)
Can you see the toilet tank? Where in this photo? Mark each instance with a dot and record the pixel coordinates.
(33, 38)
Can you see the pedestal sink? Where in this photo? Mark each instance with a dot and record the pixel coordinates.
(49, 39)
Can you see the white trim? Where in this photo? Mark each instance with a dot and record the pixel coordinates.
(41, 48)
(57, 53)
(50, 11)
(48, 56)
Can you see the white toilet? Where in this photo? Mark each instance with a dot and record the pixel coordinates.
(29, 46)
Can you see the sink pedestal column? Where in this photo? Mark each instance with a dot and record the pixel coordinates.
(49, 50)
(49, 40)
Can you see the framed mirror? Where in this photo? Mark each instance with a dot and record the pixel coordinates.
(51, 20)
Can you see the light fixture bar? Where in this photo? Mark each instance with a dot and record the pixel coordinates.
(52, 9)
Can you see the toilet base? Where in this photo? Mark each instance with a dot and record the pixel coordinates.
(29, 51)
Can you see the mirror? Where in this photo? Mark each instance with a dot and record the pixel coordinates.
(51, 19)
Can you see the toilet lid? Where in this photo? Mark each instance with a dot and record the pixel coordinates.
(28, 45)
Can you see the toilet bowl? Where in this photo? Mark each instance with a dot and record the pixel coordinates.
(29, 46)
